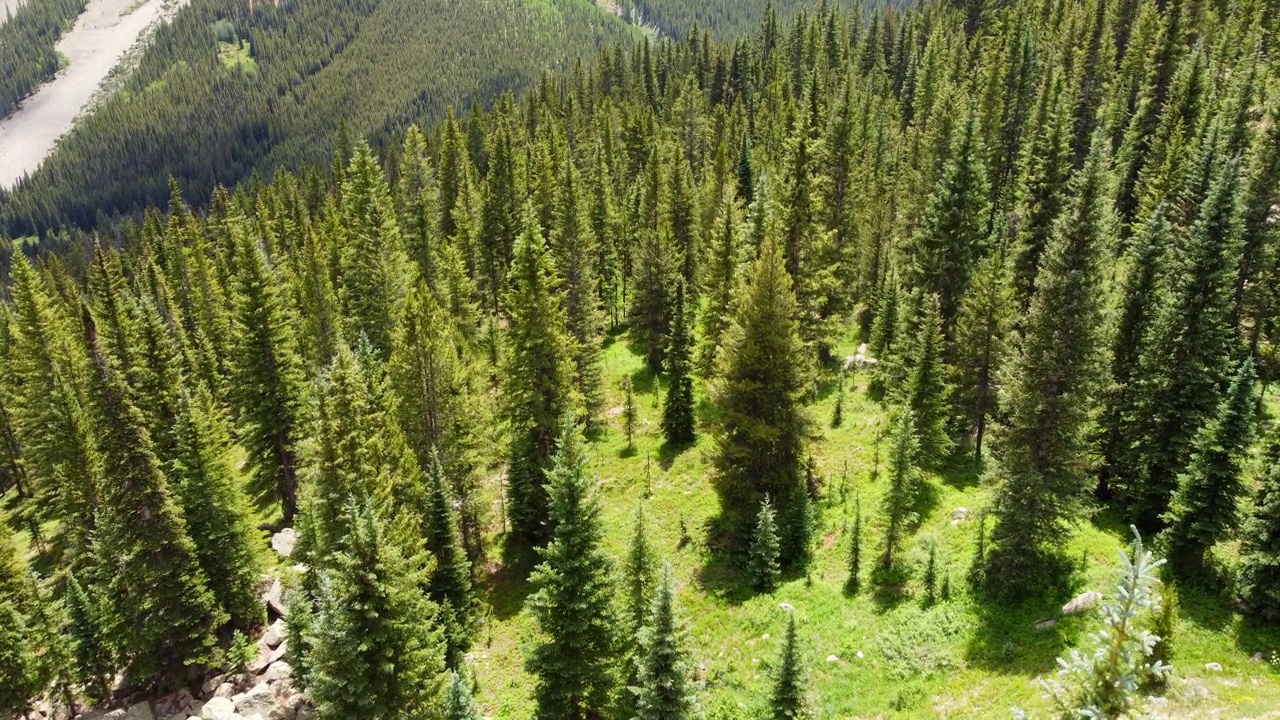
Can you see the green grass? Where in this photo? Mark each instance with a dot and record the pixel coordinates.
(237, 56)
(894, 656)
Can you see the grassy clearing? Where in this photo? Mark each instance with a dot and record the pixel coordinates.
(237, 56)
(881, 653)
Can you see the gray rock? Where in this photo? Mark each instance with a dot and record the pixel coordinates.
(211, 684)
(274, 598)
(278, 671)
(1256, 657)
(219, 708)
(960, 514)
(284, 541)
(1082, 602)
(275, 634)
(140, 711)
(1046, 624)
(259, 700)
(266, 656)
(225, 690)
(1213, 667)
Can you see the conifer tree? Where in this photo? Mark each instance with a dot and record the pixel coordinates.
(376, 651)
(574, 245)
(162, 615)
(721, 280)
(1044, 192)
(764, 551)
(23, 677)
(459, 704)
(790, 697)
(926, 392)
(664, 688)
(539, 380)
(576, 664)
(93, 664)
(639, 573)
(1204, 507)
(450, 584)
(982, 344)
(629, 412)
(761, 381)
(904, 479)
(266, 377)
(677, 409)
(1183, 363)
(1260, 563)
(854, 583)
(651, 303)
(1050, 393)
(217, 513)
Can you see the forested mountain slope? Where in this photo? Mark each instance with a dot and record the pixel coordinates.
(28, 33)
(820, 375)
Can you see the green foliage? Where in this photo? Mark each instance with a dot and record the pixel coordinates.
(91, 656)
(576, 663)
(763, 554)
(376, 651)
(904, 481)
(982, 345)
(664, 688)
(854, 583)
(925, 393)
(629, 412)
(459, 704)
(677, 409)
(790, 697)
(1260, 566)
(450, 584)
(1105, 682)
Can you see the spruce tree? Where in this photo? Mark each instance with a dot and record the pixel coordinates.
(1205, 505)
(763, 554)
(677, 409)
(219, 520)
(539, 380)
(904, 481)
(721, 281)
(375, 647)
(982, 340)
(1040, 450)
(161, 615)
(1184, 362)
(790, 697)
(93, 664)
(762, 379)
(266, 377)
(450, 583)
(1260, 549)
(23, 676)
(629, 412)
(576, 664)
(639, 574)
(664, 688)
(854, 583)
(459, 703)
(574, 246)
(926, 392)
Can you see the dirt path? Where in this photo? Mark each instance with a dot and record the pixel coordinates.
(100, 38)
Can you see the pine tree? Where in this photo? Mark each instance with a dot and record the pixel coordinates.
(763, 554)
(677, 410)
(459, 703)
(931, 575)
(1041, 448)
(1183, 363)
(450, 584)
(24, 677)
(926, 393)
(217, 513)
(92, 658)
(629, 412)
(162, 615)
(576, 664)
(759, 451)
(539, 380)
(1260, 551)
(904, 480)
(664, 688)
(639, 573)
(1204, 507)
(266, 377)
(982, 339)
(574, 246)
(790, 697)
(721, 280)
(1044, 192)
(376, 651)
(854, 583)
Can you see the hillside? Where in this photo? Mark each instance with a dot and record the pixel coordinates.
(916, 364)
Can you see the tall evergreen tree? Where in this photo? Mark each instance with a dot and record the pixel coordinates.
(162, 615)
(1205, 505)
(376, 651)
(904, 480)
(539, 380)
(1041, 448)
(677, 409)
(926, 392)
(763, 554)
(267, 376)
(94, 665)
(459, 703)
(576, 664)
(450, 583)
(790, 697)
(1183, 363)
(217, 513)
(574, 247)
(1260, 564)
(759, 450)
(982, 340)
(664, 688)
(721, 281)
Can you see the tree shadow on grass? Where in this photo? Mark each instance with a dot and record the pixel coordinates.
(889, 585)
(961, 470)
(668, 452)
(1007, 641)
(724, 576)
(644, 381)
(508, 583)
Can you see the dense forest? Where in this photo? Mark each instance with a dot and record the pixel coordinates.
(27, 37)
(1023, 251)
